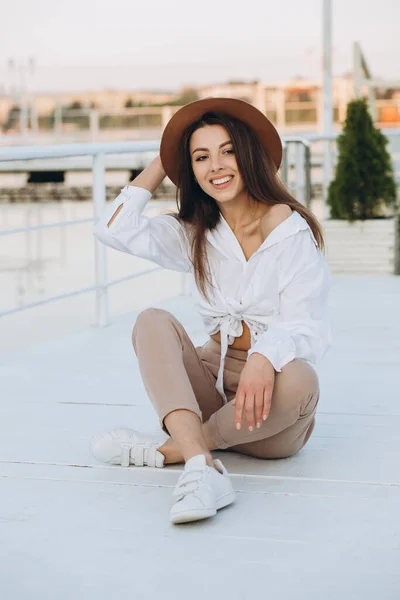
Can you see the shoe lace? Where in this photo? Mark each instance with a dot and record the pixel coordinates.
(189, 482)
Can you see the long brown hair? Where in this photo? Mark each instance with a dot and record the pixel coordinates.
(200, 212)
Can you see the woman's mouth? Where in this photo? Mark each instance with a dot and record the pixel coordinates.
(222, 182)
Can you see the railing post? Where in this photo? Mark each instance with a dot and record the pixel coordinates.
(327, 101)
(99, 204)
(307, 174)
(299, 173)
(285, 164)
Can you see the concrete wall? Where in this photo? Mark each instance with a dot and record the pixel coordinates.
(363, 246)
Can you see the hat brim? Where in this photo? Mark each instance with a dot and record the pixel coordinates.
(240, 109)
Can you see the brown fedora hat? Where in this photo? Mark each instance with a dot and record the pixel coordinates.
(240, 109)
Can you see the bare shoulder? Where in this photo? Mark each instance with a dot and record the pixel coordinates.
(274, 217)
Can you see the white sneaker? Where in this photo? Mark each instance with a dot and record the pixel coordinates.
(127, 447)
(201, 491)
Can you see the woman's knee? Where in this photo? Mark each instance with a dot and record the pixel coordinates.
(288, 446)
(148, 320)
(150, 315)
(285, 445)
(282, 445)
(296, 388)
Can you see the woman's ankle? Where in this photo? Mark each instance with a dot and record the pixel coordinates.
(210, 461)
(174, 455)
(207, 455)
(171, 452)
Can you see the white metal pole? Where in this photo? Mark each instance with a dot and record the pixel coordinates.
(99, 204)
(299, 172)
(357, 70)
(23, 100)
(327, 99)
(34, 119)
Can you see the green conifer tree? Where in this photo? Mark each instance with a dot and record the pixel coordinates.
(364, 181)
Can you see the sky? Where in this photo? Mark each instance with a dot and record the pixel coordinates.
(80, 45)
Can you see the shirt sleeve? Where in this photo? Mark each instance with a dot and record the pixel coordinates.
(302, 328)
(160, 239)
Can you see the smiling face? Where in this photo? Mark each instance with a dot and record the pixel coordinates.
(214, 163)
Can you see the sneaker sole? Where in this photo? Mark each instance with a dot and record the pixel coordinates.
(197, 515)
(226, 499)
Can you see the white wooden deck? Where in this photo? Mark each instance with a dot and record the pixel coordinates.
(324, 524)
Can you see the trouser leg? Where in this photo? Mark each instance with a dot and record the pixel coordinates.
(173, 374)
(285, 443)
(289, 424)
(177, 375)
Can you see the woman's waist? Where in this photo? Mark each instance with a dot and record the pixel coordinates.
(242, 342)
(214, 346)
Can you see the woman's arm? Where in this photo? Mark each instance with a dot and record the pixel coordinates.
(160, 239)
(302, 328)
(149, 179)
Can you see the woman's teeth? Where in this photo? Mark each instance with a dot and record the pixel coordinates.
(222, 181)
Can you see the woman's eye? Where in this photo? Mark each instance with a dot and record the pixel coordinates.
(199, 157)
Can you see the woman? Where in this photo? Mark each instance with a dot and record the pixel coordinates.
(261, 286)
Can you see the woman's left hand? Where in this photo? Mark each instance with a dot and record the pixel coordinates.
(254, 391)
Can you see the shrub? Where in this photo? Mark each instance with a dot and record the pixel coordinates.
(364, 183)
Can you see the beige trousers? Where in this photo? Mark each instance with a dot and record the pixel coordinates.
(177, 375)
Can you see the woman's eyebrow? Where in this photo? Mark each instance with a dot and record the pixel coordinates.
(205, 149)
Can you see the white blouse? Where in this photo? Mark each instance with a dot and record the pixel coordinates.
(281, 292)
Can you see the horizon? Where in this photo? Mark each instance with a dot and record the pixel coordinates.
(180, 88)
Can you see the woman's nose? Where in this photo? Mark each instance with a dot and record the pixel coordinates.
(216, 164)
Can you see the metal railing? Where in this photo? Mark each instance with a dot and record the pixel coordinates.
(302, 188)
(98, 151)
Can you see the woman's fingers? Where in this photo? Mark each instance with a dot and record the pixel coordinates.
(259, 405)
(249, 411)
(266, 404)
(255, 406)
(239, 403)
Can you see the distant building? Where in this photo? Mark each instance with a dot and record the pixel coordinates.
(45, 104)
(294, 106)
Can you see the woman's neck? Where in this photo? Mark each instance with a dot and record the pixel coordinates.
(242, 212)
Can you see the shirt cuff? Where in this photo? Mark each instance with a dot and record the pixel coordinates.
(138, 196)
(134, 200)
(277, 346)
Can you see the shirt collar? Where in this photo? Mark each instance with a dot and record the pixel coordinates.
(223, 237)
